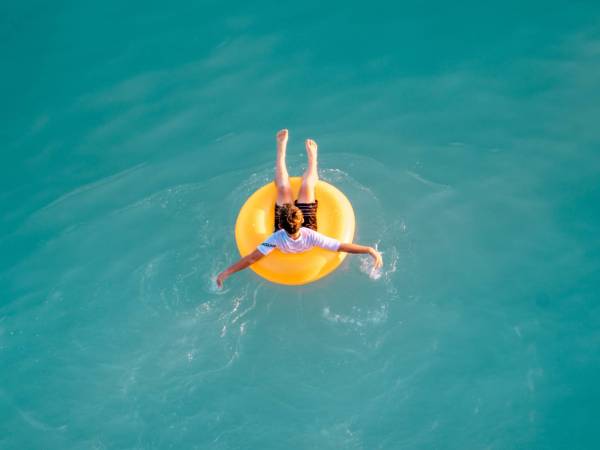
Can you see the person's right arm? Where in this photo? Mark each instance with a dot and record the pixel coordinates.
(355, 248)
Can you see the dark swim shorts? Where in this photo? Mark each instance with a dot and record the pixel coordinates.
(309, 211)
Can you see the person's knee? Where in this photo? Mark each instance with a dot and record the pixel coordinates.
(285, 192)
(282, 185)
(310, 178)
(309, 183)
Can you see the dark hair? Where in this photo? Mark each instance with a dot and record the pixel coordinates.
(291, 218)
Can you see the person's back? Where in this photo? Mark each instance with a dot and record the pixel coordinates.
(306, 240)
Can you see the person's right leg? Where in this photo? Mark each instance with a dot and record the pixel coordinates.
(311, 176)
(307, 201)
(282, 179)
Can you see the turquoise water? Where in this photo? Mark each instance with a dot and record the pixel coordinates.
(465, 136)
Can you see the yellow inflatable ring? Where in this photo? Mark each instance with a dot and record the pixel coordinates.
(335, 218)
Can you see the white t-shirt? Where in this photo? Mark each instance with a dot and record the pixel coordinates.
(307, 240)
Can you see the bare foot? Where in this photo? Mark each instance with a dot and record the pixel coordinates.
(311, 150)
(282, 138)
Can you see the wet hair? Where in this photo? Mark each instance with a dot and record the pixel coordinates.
(291, 218)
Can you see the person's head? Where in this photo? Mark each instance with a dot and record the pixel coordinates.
(291, 218)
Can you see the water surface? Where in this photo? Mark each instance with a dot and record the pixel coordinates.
(465, 137)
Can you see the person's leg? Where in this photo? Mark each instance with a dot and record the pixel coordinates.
(282, 179)
(311, 176)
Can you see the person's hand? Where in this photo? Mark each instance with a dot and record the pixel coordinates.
(220, 279)
(282, 137)
(377, 259)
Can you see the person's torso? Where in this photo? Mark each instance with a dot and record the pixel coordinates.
(288, 245)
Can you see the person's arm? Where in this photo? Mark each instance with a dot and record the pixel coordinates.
(240, 265)
(355, 248)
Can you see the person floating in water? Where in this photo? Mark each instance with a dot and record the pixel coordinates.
(296, 221)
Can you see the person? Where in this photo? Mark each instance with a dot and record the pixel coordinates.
(296, 221)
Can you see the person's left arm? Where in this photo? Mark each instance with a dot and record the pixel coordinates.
(244, 262)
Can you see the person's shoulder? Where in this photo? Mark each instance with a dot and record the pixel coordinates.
(278, 236)
(311, 232)
(308, 231)
(318, 236)
(272, 237)
(313, 236)
(279, 233)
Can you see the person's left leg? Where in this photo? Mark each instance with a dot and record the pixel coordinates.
(282, 179)
(311, 176)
